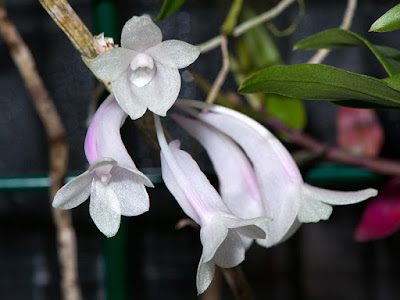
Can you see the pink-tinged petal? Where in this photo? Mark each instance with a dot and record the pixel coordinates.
(104, 208)
(128, 101)
(381, 218)
(278, 178)
(74, 192)
(110, 65)
(161, 92)
(103, 138)
(237, 182)
(359, 132)
(187, 183)
(205, 275)
(174, 54)
(128, 186)
(140, 33)
(336, 197)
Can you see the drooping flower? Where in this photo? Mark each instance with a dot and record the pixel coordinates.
(286, 198)
(114, 184)
(237, 182)
(144, 71)
(221, 230)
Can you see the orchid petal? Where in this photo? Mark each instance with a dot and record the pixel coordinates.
(209, 197)
(110, 65)
(104, 208)
(313, 210)
(74, 192)
(130, 191)
(212, 235)
(231, 252)
(126, 99)
(336, 197)
(174, 54)
(278, 180)
(205, 275)
(140, 33)
(189, 185)
(237, 182)
(161, 92)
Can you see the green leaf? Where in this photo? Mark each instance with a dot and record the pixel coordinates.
(336, 38)
(168, 8)
(289, 111)
(260, 45)
(389, 21)
(322, 82)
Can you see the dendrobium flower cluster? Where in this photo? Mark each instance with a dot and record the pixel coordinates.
(262, 194)
(144, 71)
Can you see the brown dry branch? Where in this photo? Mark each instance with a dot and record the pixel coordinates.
(378, 165)
(219, 81)
(58, 159)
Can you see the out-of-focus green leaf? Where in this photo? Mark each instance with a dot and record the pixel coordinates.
(289, 111)
(232, 17)
(168, 8)
(389, 21)
(322, 82)
(260, 45)
(336, 38)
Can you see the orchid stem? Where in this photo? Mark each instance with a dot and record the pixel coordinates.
(219, 81)
(245, 26)
(348, 16)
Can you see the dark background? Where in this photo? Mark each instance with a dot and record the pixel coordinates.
(320, 262)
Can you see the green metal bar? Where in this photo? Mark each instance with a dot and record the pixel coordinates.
(321, 175)
(105, 17)
(41, 182)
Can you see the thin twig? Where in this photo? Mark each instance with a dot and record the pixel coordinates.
(348, 16)
(245, 26)
(47, 112)
(378, 165)
(219, 81)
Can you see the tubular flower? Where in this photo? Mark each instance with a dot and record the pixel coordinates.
(144, 71)
(237, 182)
(221, 230)
(286, 198)
(114, 184)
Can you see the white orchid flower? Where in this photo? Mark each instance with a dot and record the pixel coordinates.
(287, 199)
(114, 184)
(237, 182)
(221, 230)
(144, 71)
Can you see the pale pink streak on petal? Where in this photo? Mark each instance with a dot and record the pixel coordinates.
(279, 181)
(237, 181)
